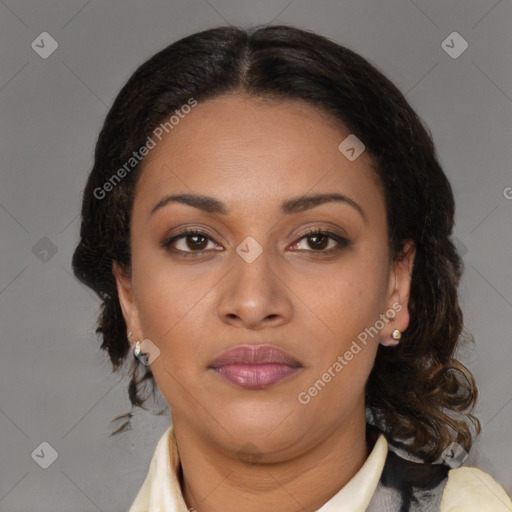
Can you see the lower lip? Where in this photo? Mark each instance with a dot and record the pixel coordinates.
(256, 376)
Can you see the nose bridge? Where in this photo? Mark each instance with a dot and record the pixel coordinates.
(252, 291)
(252, 260)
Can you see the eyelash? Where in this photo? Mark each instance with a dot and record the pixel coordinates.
(342, 242)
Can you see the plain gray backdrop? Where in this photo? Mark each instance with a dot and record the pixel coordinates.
(55, 382)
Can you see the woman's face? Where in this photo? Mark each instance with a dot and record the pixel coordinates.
(253, 277)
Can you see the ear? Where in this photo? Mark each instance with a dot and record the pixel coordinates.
(398, 294)
(127, 302)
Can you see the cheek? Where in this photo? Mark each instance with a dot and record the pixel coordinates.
(343, 355)
(345, 298)
(167, 309)
(165, 291)
(175, 312)
(158, 303)
(344, 304)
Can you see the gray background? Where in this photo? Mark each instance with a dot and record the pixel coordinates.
(55, 383)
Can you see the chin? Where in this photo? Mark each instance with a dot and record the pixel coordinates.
(270, 429)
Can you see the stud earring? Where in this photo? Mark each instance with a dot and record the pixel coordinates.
(396, 335)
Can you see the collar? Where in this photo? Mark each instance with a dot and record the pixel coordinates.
(161, 490)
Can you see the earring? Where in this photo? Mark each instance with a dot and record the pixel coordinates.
(137, 350)
(396, 335)
(135, 345)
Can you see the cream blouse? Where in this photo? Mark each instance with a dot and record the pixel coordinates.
(467, 489)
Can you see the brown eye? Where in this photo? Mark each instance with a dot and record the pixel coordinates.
(193, 241)
(319, 240)
(196, 242)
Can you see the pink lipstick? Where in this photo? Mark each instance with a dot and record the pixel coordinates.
(255, 366)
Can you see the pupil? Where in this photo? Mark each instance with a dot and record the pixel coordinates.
(319, 245)
(195, 243)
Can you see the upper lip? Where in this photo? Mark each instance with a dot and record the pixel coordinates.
(254, 354)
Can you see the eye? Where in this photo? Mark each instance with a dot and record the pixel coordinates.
(321, 240)
(196, 241)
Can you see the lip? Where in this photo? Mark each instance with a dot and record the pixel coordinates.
(254, 354)
(255, 366)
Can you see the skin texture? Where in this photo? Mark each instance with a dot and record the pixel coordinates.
(252, 155)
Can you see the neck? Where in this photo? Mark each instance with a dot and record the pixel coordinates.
(213, 481)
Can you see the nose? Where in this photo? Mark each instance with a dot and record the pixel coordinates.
(254, 294)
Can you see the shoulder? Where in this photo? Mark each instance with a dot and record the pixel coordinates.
(419, 486)
(470, 489)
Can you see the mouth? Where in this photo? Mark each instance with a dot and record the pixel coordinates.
(255, 366)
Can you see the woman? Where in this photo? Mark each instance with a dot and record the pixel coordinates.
(267, 224)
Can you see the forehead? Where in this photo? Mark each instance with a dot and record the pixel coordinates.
(250, 150)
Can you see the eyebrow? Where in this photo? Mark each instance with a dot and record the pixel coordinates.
(298, 204)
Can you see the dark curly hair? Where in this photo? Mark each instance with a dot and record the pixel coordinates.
(417, 392)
